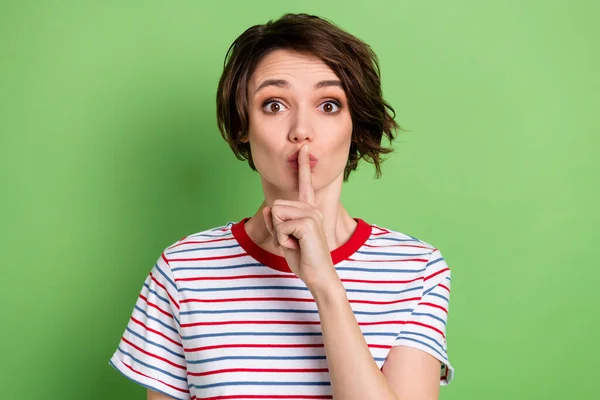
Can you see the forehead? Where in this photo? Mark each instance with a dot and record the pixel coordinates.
(287, 64)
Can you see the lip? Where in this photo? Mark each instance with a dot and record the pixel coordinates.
(293, 161)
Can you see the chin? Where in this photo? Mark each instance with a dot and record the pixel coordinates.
(286, 185)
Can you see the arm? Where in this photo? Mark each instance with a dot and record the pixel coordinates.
(150, 352)
(152, 395)
(407, 374)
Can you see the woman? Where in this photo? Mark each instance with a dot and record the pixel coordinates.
(300, 301)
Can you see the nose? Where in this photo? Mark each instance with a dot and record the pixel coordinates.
(301, 129)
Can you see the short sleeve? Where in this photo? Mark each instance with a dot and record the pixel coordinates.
(150, 351)
(425, 328)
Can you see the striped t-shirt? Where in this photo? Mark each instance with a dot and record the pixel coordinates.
(221, 318)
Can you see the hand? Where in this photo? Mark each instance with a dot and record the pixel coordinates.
(297, 227)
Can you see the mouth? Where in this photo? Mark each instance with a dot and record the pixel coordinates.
(295, 166)
(294, 157)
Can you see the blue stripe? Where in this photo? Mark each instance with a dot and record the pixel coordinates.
(203, 248)
(206, 360)
(210, 335)
(170, 313)
(395, 239)
(392, 254)
(155, 344)
(397, 271)
(165, 276)
(424, 344)
(137, 360)
(435, 261)
(414, 238)
(234, 288)
(156, 294)
(259, 384)
(423, 336)
(210, 236)
(243, 288)
(440, 296)
(266, 358)
(384, 291)
(434, 287)
(431, 316)
(217, 268)
(144, 384)
(156, 319)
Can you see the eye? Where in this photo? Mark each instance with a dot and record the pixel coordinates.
(331, 107)
(273, 106)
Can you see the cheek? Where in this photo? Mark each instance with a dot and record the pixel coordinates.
(342, 134)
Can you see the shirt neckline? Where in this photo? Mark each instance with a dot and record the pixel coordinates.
(361, 233)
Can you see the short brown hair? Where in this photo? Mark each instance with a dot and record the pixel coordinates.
(352, 60)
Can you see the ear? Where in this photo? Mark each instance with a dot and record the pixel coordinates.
(243, 138)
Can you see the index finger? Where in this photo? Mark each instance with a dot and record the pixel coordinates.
(306, 191)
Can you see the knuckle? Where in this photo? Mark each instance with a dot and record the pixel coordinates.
(312, 223)
(319, 214)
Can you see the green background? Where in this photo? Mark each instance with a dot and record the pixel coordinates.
(109, 152)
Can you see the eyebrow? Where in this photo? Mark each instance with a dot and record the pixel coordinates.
(285, 84)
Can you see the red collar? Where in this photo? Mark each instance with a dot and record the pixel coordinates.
(358, 238)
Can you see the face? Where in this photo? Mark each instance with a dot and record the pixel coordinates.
(295, 99)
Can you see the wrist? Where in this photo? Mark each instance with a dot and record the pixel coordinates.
(328, 290)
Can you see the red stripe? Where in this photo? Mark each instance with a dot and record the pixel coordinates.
(256, 346)
(272, 346)
(217, 278)
(164, 383)
(276, 370)
(265, 396)
(436, 273)
(156, 332)
(291, 299)
(379, 346)
(245, 299)
(406, 260)
(426, 326)
(200, 242)
(398, 245)
(446, 374)
(384, 302)
(208, 258)
(381, 323)
(384, 282)
(157, 282)
(165, 289)
(434, 305)
(250, 323)
(444, 286)
(279, 323)
(155, 306)
(383, 231)
(153, 355)
(292, 276)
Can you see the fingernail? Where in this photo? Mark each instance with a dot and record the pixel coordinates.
(305, 148)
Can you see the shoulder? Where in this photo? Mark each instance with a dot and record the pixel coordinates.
(390, 238)
(387, 242)
(212, 235)
(408, 250)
